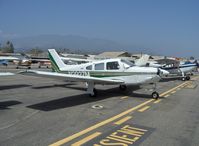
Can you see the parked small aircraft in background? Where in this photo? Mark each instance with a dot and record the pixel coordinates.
(19, 61)
(110, 71)
(174, 67)
(5, 59)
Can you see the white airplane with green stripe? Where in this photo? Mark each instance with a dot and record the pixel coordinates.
(111, 71)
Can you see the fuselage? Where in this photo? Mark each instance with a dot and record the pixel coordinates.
(116, 69)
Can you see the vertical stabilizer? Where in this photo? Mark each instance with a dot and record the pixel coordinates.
(142, 61)
(56, 62)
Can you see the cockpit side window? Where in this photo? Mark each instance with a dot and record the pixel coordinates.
(99, 66)
(89, 67)
(112, 65)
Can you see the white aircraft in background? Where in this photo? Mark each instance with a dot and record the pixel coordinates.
(174, 67)
(139, 62)
(19, 61)
(5, 59)
(110, 71)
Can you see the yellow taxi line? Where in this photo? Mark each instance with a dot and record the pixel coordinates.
(157, 101)
(144, 108)
(123, 120)
(173, 92)
(86, 139)
(124, 97)
(167, 95)
(163, 94)
(67, 139)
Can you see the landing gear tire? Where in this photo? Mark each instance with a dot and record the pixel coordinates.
(123, 87)
(183, 78)
(155, 95)
(187, 77)
(94, 93)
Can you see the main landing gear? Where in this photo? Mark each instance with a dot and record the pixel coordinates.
(94, 94)
(91, 89)
(186, 78)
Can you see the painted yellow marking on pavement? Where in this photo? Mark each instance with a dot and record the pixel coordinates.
(124, 97)
(173, 92)
(123, 120)
(167, 95)
(126, 135)
(157, 101)
(163, 94)
(86, 139)
(67, 139)
(144, 108)
(179, 88)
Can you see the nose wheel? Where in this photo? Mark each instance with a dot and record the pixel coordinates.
(155, 95)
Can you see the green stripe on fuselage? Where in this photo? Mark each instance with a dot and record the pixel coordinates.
(109, 74)
(53, 63)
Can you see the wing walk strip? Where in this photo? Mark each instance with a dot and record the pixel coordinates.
(100, 124)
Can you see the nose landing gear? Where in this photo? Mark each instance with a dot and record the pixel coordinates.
(155, 95)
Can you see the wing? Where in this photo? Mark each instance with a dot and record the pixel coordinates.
(70, 77)
(6, 74)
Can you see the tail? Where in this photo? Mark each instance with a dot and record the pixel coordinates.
(142, 61)
(56, 62)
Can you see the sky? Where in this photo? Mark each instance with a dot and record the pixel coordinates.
(166, 25)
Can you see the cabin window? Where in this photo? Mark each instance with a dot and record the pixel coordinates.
(99, 66)
(89, 67)
(112, 65)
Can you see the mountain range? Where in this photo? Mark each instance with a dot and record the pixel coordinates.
(72, 42)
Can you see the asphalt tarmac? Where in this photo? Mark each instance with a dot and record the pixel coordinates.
(39, 111)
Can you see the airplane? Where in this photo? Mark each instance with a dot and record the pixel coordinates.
(110, 71)
(68, 60)
(174, 67)
(19, 61)
(4, 60)
(183, 70)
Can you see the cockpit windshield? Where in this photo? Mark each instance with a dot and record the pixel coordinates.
(127, 62)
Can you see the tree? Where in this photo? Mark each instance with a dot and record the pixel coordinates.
(8, 48)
